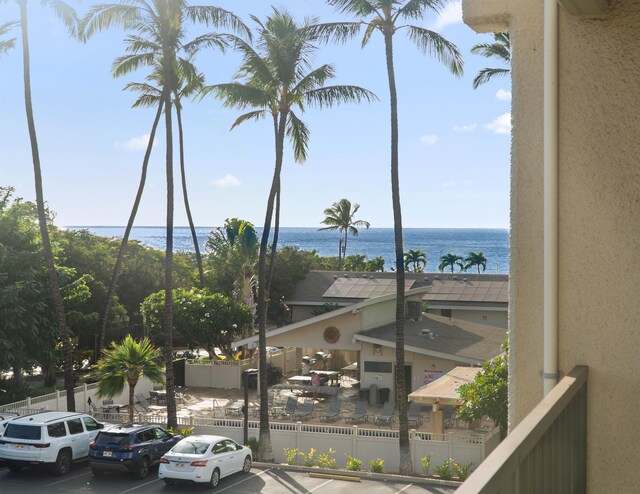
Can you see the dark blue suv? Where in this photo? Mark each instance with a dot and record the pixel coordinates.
(130, 448)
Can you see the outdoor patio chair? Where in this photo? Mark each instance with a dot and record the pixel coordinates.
(333, 411)
(290, 408)
(359, 413)
(234, 408)
(305, 411)
(414, 415)
(386, 415)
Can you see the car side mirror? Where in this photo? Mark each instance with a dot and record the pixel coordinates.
(100, 426)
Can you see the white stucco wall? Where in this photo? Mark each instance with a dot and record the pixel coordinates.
(499, 319)
(599, 209)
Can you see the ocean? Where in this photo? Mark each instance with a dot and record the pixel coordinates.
(374, 242)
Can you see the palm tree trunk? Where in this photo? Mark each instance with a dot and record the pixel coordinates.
(132, 390)
(274, 245)
(172, 420)
(185, 195)
(123, 244)
(63, 329)
(344, 247)
(265, 452)
(406, 467)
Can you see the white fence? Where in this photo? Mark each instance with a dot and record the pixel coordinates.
(359, 442)
(228, 373)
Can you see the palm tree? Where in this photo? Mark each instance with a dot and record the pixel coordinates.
(125, 363)
(6, 44)
(340, 217)
(273, 80)
(450, 260)
(417, 258)
(475, 259)
(159, 43)
(69, 17)
(388, 18)
(500, 49)
(376, 265)
(355, 262)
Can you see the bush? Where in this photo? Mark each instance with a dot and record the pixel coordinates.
(353, 464)
(426, 463)
(309, 459)
(14, 391)
(444, 471)
(462, 471)
(325, 460)
(376, 465)
(274, 374)
(184, 432)
(254, 444)
(291, 454)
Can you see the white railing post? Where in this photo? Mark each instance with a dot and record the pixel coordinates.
(354, 442)
(57, 400)
(298, 432)
(450, 443)
(412, 445)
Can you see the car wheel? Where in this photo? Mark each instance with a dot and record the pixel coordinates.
(15, 467)
(63, 463)
(143, 468)
(215, 479)
(246, 466)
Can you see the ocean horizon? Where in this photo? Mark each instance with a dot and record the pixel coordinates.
(372, 242)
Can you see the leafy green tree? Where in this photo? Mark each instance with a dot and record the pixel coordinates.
(340, 216)
(500, 49)
(475, 259)
(161, 28)
(274, 79)
(375, 265)
(388, 17)
(416, 258)
(450, 261)
(324, 308)
(487, 394)
(69, 18)
(125, 363)
(201, 319)
(355, 262)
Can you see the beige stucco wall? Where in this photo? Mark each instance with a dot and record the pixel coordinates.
(599, 212)
(499, 319)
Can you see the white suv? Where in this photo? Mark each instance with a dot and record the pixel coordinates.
(53, 438)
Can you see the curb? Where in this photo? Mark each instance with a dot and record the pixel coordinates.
(337, 473)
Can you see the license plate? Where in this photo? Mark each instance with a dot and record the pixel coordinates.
(106, 453)
(19, 446)
(179, 465)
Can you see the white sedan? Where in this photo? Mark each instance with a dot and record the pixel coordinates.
(204, 459)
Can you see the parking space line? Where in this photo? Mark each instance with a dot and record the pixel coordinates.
(404, 488)
(318, 486)
(243, 480)
(141, 485)
(68, 478)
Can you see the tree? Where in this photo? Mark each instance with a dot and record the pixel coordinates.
(450, 260)
(475, 259)
(125, 363)
(70, 19)
(417, 258)
(160, 41)
(273, 80)
(340, 216)
(6, 44)
(487, 394)
(499, 49)
(375, 265)
(388, 17)
(355, 262)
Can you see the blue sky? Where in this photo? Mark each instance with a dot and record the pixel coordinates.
(454, 141)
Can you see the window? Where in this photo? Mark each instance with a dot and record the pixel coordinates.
(160, 434)
(380, 367)
(56, 430)
(19, 431)
(90, 424)
(75, 426)
(220, 447)
(145, 436)
(445, 312)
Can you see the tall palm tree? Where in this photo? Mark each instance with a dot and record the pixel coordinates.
(499, 49)
(159, 42)
(6, 44)
(475, 259)
(125, 363)
(388, 17)
(70, 19)
(340, 216)
(450, 260)
(417, 258)
(273, 80)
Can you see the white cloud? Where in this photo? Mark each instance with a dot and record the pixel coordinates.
(500, 125)
(451, 14)
(226, 181)
(429, 140)
(135, 143)
(503, 95)
(465, 128)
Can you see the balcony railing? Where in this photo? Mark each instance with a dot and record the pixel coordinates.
(546, 452)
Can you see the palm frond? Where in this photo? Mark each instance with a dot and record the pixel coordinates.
(7, 44)
(415, 9)
(359, 8)
(137, 44)
(252, 115)
(209, 40)
(314, 79)
(436, 45)
(241, 96)
(129, 63)
(253, 64)
(68, 16)
(298, 134)
(329, 96)
(104, 16)
(334, 32)
(371, 28)
(485, 75)
(217, 17)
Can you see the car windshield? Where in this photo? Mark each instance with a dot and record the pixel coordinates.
(106, 439)
(192, 447)
(19, 431)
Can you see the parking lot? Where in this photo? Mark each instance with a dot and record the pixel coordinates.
(271, 481)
